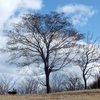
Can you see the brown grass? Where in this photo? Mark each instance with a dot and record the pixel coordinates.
(68, 95)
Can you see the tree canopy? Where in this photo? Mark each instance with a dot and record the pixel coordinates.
(42, 40)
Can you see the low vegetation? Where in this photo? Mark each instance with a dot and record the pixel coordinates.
(68, 95)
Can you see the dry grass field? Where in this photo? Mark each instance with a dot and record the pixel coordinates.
(69, 95)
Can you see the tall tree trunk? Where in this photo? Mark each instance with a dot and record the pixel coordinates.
(47, 74)
(47, 82)
(85, 82)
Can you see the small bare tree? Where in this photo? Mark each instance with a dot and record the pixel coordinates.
(57, 82)
(73, 82)
(88, 56)
(28, 85)
(6, 83)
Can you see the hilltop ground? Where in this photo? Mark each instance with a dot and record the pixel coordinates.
(68, 95)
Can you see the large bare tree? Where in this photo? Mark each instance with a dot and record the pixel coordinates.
(42, 41)
(88, 57)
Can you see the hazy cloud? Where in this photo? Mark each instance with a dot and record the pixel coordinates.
(78, 12)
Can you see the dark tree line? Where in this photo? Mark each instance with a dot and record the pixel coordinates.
(96, 83)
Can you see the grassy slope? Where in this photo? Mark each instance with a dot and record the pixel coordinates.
(69, 95)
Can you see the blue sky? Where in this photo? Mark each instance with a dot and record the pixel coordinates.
(93, 23)
(85, 16)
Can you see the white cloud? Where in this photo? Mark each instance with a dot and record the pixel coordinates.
(10, 8)
(31, 4)
(78, 12)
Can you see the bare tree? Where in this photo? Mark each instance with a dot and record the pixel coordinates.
(42, 41)
(57, 82)
(6, 83)
(73, 82)
(28, 85)
(88, 57)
